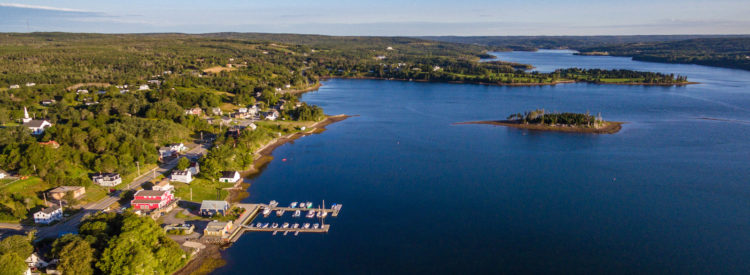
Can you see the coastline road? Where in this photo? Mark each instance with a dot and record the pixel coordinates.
(71, 224)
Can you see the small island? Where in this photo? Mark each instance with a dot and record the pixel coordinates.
(560, 122)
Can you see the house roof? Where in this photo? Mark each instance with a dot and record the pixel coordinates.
(65, 189)
(214, 205)
(145, 201)
(216, 226)
(228, 174)
(155, 193)
(106, 175)
(162, 183)
(50, 210)
(35, 123)
(181, 172)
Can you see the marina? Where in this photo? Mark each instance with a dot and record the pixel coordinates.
(245, 222)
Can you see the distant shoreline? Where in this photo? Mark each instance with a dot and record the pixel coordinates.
(610, 127)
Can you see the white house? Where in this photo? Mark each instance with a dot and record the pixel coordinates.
(229, 176)
(252, 126)
(253, 110)
(171, 149)
(48, 215)
(181, 176)
(216, 111)
(3, 174)
(143, 87)
(15, 86)
(107, 179)
(163, 186)
(79, 92)
(30, 84)
(194, 168)
(34, 262)
(272, 115)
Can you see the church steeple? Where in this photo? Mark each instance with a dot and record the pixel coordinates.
(26, 117)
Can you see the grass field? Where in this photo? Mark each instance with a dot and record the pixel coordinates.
(202, 190)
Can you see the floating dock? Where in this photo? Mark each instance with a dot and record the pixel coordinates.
(324, 229)
(252, 211)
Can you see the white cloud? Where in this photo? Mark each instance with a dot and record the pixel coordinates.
(24, 6)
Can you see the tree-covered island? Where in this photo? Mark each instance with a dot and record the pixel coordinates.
(542, 120)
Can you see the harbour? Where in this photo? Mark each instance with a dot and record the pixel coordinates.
(244, 223)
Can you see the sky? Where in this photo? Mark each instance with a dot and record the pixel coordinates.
(381, 17)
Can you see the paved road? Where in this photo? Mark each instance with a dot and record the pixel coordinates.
(71, 224)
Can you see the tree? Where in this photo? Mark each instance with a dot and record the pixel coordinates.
(12, 264)
(76, 257)
(183, 163)
(18, 244)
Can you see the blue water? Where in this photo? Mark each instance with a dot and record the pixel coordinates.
(670, 193)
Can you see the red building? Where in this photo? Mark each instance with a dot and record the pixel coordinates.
(151, 199)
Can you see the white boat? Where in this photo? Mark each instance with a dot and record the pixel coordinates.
(285, 225)
(275, 225)
(265, 225)
(295, 226)
(315, 226)
(309, 204)
(266, 211)
(296, 233)
(259, 225)
(274, 233)
(293, 204)
(302, 205)
(279, 213)
(297, 214)
(285, 232)
(306, 225)
(324, 214)
(311, 214)
(273, 203)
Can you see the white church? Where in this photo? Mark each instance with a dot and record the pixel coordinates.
(37, 126)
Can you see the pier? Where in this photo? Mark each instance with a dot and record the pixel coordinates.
(323, 229)
(252, 210)
(333, 211)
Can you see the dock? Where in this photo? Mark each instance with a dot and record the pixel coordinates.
(324, 229)
(333, 211)
(252, 210)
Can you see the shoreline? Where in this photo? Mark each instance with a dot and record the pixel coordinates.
(305, 90)
(238, 192)
(508, 84)
(611, 127)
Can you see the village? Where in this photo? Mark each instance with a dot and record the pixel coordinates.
(202, 215)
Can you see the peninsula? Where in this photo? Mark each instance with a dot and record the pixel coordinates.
(541, 120)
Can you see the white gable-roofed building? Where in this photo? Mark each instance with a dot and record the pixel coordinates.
(210, 208)
(171, 150)
(143, 87)
(48, 215)
(182, 176)
(229, 176)
(37, 126)
(107, 179)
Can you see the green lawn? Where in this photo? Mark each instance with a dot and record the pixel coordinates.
(28, 188)
(202, 190)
